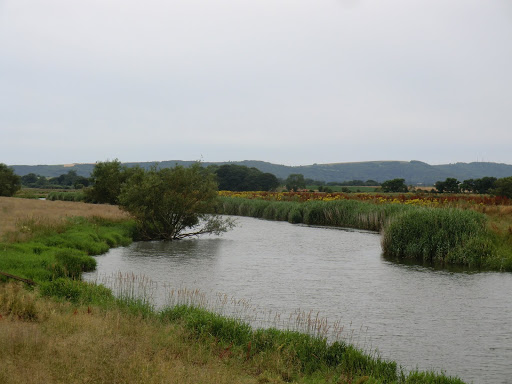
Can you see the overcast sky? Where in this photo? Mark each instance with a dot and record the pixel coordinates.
(287, 81)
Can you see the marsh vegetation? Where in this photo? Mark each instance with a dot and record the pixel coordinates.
(54, 251)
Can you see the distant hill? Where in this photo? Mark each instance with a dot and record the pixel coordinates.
(414, 172)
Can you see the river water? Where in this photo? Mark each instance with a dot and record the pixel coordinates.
(460, 323)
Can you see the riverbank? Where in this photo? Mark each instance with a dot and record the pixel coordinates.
(103, 338)
(443, 236)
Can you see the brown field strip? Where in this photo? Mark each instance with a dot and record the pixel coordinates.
(14, 211)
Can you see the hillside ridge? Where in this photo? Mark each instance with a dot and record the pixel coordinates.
(414, 172)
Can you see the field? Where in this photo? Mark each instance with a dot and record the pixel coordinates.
(65, 330)
(16, 213)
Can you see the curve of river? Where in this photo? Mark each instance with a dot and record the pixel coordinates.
(460, 323)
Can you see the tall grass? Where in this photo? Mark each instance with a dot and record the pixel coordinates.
(435, 235)
(439, 236)
(342, 213)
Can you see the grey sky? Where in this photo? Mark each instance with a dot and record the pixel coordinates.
(286, 81)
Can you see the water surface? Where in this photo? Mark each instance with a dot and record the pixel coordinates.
(456, 322)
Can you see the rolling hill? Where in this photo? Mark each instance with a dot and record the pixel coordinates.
(414, 172)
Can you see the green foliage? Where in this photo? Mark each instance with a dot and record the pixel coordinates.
(450, 185)
(481, 186)
(66, 196)
(65, 181)
(342, 213)
(34, 181)
(73, 262)
(295, 181)
(503, 187)
(416, 377)
(173, 203)
(107, 179)
(233, 177)
(10, 183)
(309, 353)
(76, 291)
(439, 235)
(63, 252)
(395, 185)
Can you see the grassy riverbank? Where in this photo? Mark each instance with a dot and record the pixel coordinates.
(445, 236)
(66, 330)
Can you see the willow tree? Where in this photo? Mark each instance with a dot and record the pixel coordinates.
(173, 203)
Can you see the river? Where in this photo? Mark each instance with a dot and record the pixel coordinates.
(460, 323)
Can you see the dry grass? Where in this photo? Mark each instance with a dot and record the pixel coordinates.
(15, 211)
(500, 218)
(65, 344)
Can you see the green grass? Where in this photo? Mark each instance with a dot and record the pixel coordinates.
(305, 354)
(54, 252)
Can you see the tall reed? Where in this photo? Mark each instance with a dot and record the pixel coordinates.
(439, 235)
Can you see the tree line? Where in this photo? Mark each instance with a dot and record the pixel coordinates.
(232, 177)
(64, 181)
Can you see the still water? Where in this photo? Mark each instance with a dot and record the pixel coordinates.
(460, 323)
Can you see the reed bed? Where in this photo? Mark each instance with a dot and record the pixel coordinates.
(446, 236)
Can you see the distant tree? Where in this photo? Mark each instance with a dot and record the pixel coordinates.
(395, 185)
(467, 186)
(70, 179)
(66, 179)
(267, 182)
(322, 188)
(173, 203)
(10, 183)
(295, 181)
(32, 180)
(233, 177)
(503, 187)
(450, 185)
(484, 185)
(107, 178)
(29, 180)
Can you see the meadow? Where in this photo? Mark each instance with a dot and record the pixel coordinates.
(63, 329)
